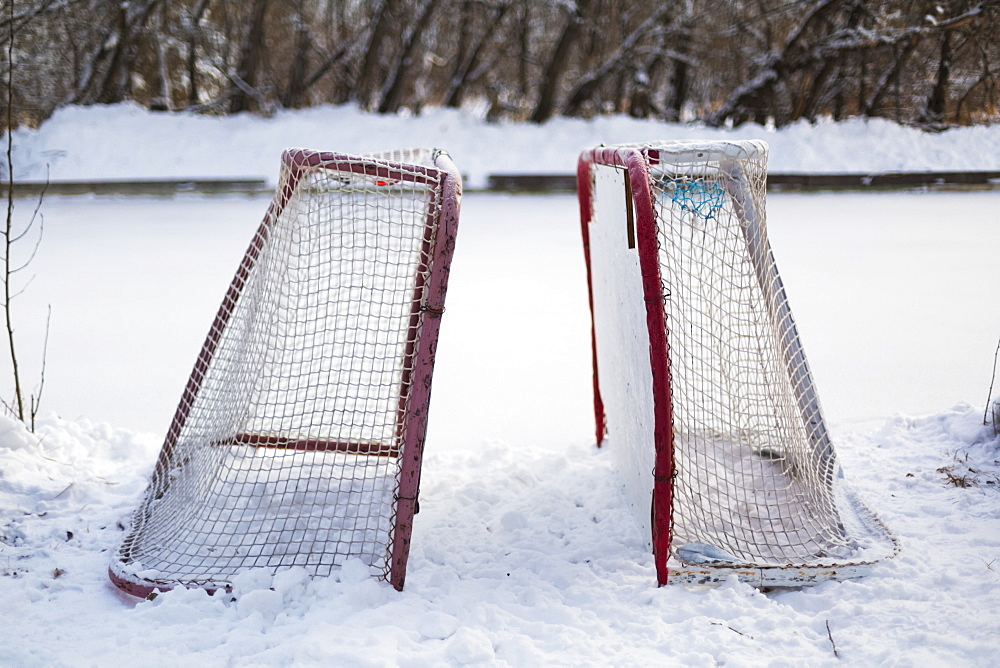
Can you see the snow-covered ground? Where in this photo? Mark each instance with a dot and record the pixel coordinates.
(523, 552)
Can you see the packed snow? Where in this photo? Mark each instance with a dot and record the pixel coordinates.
(524, 552)
(126, 141)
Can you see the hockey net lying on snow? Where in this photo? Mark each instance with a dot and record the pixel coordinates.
(700, 380)
(298, 438)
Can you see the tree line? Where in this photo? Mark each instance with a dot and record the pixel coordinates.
(721, 62)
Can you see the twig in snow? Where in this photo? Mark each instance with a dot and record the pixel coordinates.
(829, 634)
(731, 629)
(68, 487)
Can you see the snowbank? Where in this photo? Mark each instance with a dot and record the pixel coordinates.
(125, 141)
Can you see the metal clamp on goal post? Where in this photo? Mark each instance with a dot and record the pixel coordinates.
(414, 499)
(433, 311)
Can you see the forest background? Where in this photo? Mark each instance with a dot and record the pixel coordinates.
(933, 64)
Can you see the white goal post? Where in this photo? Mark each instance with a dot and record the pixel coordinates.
(701, 384)
(298, 439)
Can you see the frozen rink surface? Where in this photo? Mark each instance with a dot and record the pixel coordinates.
(894, 295)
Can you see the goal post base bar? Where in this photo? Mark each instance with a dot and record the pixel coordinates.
(139, 587)
(777, 576)
(373, 449)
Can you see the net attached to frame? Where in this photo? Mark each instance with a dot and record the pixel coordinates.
(287, 446)
(755, 488)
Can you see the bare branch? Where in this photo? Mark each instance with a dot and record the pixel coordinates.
(35, 215)
(20, 292)
(992, 379)
(245, 88)
(36, 399)
(331, 60)
(588, 83)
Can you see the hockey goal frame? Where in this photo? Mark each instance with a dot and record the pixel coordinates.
(414, 390)
(635, 161)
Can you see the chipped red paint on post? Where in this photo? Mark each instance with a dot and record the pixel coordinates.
(425, 323)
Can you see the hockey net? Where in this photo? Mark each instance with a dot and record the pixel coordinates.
(701, 382)
(298, 438)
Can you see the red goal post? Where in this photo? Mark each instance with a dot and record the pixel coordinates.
(637, 198)
(299, 436)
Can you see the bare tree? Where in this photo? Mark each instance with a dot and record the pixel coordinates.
(12, 237)
(930, 62)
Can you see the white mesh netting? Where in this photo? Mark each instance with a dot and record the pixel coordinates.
(623, 340)
(755, 484)
(288, 444)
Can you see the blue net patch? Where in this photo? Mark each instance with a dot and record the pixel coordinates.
(698, 196)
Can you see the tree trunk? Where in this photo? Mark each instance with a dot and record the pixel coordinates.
(889, 78)
(392, 101)
(162, 99)
(678, 90)
(620, 60)
(369, 80)
(934, 113)
(558, 64)
(106, 70)
(461, 58)
(251, 55)
(471, 59)
(814, 89)
(640, 105)
(524, 48)
(192, 53)
(115, 84)
(294, 96)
